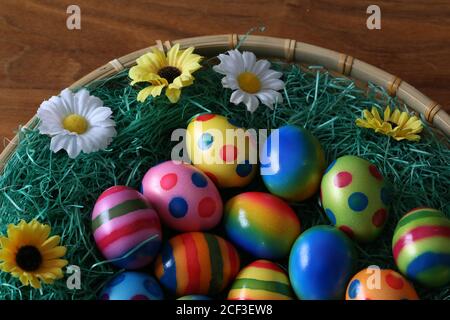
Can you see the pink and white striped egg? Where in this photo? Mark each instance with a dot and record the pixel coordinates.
(126, 228)
(184, 197)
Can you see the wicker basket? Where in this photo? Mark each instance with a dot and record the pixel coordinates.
(285, 49)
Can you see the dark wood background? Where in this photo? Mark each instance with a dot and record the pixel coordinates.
(39, 56)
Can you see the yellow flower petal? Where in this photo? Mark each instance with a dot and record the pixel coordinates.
(54, 253)
(375, 114)
(172, 55)
(399, 125)
(151, 90)
(173, 94)
(387, 113)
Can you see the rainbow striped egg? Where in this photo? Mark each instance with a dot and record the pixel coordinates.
(131, 285)
(292, 163)
(197, 263)
(262, 224)
(421, 246)
(261, 280)
(126, 228)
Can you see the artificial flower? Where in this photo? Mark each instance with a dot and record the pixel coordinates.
(172, 72)
(397, 124)
(28, 253)
(76, 122)
(252, 81)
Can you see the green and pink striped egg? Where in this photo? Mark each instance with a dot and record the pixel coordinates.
(355, 197)
(421, 246)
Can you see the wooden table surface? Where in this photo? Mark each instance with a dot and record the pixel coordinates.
(39, 56)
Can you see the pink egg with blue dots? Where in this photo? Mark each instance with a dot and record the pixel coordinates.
(132, 286)
(184, 197)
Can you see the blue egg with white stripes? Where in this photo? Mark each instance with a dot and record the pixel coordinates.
(131, 285)
(321, 263)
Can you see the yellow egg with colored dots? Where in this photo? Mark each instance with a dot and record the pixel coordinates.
(226, 153)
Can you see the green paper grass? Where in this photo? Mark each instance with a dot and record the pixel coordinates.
(60, 191)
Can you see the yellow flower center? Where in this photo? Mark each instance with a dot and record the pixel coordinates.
(169, 73)
(75, 123)
(249, 82)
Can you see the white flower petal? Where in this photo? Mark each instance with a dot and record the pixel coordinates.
(269, 97)
(249, 60)
(230, 82)
(252, 103)
(274, 84)
(260, 67)
(237, 97)
(227, 66)
(58, 142)
(73, 149)
(238, 61)
(99, 114)
(270, 74)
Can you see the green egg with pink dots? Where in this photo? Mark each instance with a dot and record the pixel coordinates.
(355, 197)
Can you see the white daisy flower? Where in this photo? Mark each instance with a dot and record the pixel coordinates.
(252, 81)
(76, 122)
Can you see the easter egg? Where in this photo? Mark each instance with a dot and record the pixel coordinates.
(196, 263)
(131, 285)
(321, 263)
(261, 224)
(194, 297)
(261, 280)
(421, 246)
(379, 284)
(292, 163)
(184, 197)
(355, 197)
(126, 228)
(221, 150)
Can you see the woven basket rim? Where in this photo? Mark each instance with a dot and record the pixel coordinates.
(289, 50)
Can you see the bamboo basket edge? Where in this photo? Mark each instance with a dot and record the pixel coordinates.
(271, 47)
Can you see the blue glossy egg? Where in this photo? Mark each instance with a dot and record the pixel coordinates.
(132, 286)
(292, 163)
(321, 263)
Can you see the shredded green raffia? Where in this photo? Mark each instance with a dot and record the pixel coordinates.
(61, 192)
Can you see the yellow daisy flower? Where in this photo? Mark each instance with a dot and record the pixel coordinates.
(28, 253)
(173, 71)
(397, 124)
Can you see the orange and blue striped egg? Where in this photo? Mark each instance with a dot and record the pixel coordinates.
(355, 197)
(261, 280)
(126, 228)
(224, 158)
(262, 224)
(196, 263)
(184, 197)
(380, 284)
